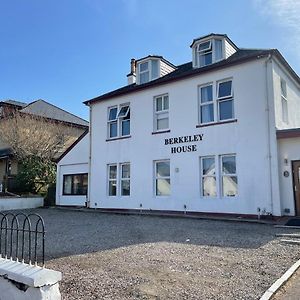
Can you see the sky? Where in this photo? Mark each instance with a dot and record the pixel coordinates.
(69, 51)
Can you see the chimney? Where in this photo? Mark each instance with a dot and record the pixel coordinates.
(131, 77)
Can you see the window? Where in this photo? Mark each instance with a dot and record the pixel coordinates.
(75, 184)
(148, 70)
(119, 177)
(161, 112)
(215, 107)
(118, 123)
(208, 176)
(204, 52)
(125, 179)
(229, 177)
(206, 104)
(112, 180)
(162, 178)
(225, 100)
(284, 101)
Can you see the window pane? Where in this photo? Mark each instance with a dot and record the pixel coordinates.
(123, 111)
(218, 49)
(126, 171)
(125, 127)
(144, 66)
(208, 166)
(125, 187)
(155, 71)
(230, 186)
(144, 77)
(84, 184)
(206, 94)
(283, 88)
(166, 102)
(112, 188)
(112, 113)
(163, 169)
(163, 187)
(205, 59)
(207, 113)
(67, 184)
(204, 46)
(113, 129)
(77, 184)
(225, 89)
(226, 110)
(285, 115)
(159, 104)
(209, 186)
(162, 123)
(228, 165)
(112, 172)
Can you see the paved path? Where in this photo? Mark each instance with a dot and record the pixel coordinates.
(290, 291)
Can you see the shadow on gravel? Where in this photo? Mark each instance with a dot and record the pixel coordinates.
(70, 232)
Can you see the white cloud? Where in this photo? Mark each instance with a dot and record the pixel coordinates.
(285, 14)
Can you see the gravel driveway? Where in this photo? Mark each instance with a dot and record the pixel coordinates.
(109, 256)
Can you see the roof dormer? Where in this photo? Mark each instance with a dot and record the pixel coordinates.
(149, 68)
(211, 48)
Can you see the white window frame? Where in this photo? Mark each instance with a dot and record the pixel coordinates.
(149, 70)
(200, 104)
(224, 99)
(222, 175)
(119, 120)
(284, 102)
(207, 176)
(158, 115)
(203, 52)
(125, 178)
(112, 179)
(161, 177)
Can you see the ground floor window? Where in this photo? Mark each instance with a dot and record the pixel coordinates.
(220, 180)
(119, 179)
(75, 184)
(162, 178)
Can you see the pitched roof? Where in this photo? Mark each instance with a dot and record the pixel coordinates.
(47, 110)
(14, 103)
(186, 70)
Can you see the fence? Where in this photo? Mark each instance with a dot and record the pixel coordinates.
(22, 238)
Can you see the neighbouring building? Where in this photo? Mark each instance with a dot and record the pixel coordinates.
(219, 134)
(43, 111)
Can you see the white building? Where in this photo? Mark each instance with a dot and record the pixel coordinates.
(220, 134)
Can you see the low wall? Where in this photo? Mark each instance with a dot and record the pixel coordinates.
(21, 281)
(11, 203)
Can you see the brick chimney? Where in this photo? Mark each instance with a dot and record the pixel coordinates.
(131, 77)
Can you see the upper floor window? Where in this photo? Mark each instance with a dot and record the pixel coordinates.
(215, 107)
(208, 52)
(148, 70)
(118, 123)
(284, 101)
(161, 112)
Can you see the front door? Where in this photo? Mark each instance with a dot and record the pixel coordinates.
(296, 180)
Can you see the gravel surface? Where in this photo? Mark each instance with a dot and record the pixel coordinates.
(109, 256)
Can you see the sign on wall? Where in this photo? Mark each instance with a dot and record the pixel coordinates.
(182, 140)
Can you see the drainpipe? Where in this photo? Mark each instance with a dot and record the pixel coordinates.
(88, 203)
(269, 60)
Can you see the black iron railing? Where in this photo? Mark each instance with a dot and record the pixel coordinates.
(22, 238)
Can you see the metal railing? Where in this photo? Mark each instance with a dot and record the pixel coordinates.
(22, 238)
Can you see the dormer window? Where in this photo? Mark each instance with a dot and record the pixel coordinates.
(204, 51)
(148, 70)
(211, 48)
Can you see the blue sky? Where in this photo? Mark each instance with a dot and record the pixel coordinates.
(68, 51)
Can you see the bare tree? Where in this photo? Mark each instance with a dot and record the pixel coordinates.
(36, 142)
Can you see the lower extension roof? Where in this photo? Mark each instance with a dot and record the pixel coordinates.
(186, 70)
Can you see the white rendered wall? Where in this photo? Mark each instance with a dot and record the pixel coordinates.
(74, 162)
(12, 203)
(293, 97)
(248, 138)
(288, 148)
